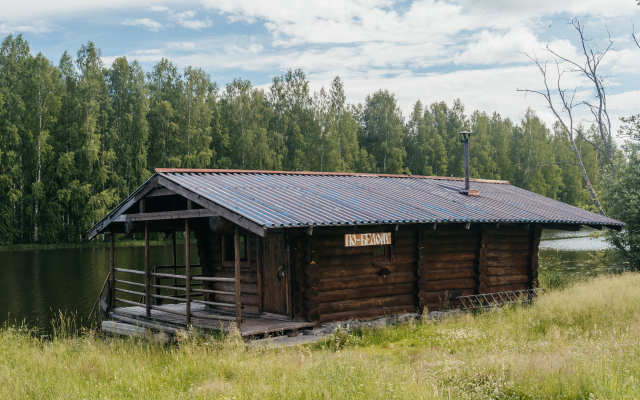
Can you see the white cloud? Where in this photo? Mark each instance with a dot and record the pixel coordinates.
(158, 8)
(186, 20)
(148, 23)
(181, 45)
(29, 10)
(36, 27)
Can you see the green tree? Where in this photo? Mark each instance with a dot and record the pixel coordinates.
(383, 133)
(165, 87)
(247, 116)
(128, 127)
(621, 197)
(43, 92)
(14, 54)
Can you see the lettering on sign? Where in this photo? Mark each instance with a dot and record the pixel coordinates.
(367, 239)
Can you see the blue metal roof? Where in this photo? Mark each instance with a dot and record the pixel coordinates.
(288, 199)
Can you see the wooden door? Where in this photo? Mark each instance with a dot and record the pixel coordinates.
(275, 275)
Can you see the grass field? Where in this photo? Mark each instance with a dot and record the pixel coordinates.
(581, 341)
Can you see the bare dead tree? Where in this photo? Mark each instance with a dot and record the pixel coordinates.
(567, 103)
(593, 56)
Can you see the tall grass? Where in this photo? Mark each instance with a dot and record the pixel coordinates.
(582, 341)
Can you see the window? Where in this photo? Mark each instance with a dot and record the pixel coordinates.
(229, 248)
(382, 252)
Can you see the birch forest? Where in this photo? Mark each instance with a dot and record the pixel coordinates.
(77, 136)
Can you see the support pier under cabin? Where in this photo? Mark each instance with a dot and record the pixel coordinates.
(283, 251)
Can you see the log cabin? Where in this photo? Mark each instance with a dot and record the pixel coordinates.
(281, 251)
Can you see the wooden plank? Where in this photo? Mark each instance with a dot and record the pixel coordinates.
(362, 293)
(340, 261)
(445, 274)
(436, 297)
(507, 231)
(147, 277)
(249, 288)
(432, 241)
(146, 324)
(219, 210)
(129, 271)
(342, 251)
(187, 263)
(193, 314)
(259, 272)
(167, 215)
(459, 231)
(365, 304)
(361, 270)
(341, 283)
(445, 265)
(501, 280)
(448, 248)
(521, 270)
(506, 262)
(118, 328)
(112, 270)
(130, 292)
(508, 254)
(508, 239)
(458, 256)
(372, 313)
(129, 302)
(175, 261)
(247, 299)
(236, 239)
(438, 286)
(517, 246)
(130, 201)
(160, 192)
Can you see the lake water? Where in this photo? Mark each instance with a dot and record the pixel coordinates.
(36, 284)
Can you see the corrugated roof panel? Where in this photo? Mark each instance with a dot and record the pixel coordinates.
(294, 199)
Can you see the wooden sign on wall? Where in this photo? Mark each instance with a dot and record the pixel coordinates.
(367, 239)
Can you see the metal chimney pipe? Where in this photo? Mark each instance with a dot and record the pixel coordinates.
(466, 165)
(467, 189)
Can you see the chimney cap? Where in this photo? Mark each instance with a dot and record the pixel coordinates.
(465, 135)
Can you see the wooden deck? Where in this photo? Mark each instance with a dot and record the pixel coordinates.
(253, 324)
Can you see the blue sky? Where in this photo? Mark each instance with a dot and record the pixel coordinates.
(427, 50)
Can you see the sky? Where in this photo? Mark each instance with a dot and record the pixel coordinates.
(426, 50)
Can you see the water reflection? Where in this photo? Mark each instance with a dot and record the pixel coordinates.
(572, 252)
(37, 283)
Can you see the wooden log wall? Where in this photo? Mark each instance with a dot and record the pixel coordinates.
(341, 283)
(297, 246)
(210, 253)
(508, 258)
(447, 266)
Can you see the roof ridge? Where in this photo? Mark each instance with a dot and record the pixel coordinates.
(248, 171)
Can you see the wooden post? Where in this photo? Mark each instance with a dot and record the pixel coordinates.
(147, 275)
(236, 238)
(288, 277)
(112, 268)
(175, 263)
(259, 271)
(187, 264)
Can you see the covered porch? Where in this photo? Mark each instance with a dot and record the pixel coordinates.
(221, 291)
